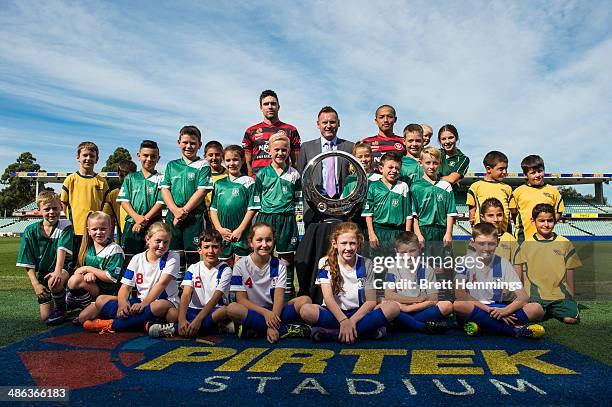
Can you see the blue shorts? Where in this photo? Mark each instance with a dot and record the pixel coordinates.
(208, 325)
(429, 314)
(109, 310)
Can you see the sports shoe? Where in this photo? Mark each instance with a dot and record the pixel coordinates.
(71, 302)
(245, 333)
(102, 326)
(297, 331)
(471, 328)
(57, 317)
(318, 334)
(162, 330)
(380, 333)
(435, 328)
(534, 331)
(227, 328)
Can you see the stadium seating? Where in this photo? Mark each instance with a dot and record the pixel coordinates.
(596, 228)
(29, 207)
(576, 205)
(18, 227)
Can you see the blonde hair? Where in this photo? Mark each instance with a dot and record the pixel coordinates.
(357, 146)
(158, 226)
(86, 242)
(332, 254)
(278, 137)
(432, 151)
(427, 127)
(46, 197)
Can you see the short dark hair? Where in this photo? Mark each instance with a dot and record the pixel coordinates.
(327, 109)
(383, 107)
(492, 158)
(210, 235)
(484, 229)
(412, 127)
(406, 238)
(126, 166)
(543, 208)
(491, 203)
(391, 156)
(192, 131)
(532, 162)
(149, 144)
(450, 128)
(213, 144)
(266, 93)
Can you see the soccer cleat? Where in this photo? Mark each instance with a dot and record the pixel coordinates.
(297, 331)
(57, 317)
(380, 333)
(245, 333)
(71, 303)
(435, 328)
(102, 326)
(471, 328)
(227, 328)
(534, 331)
(318, 334)
(162, 330)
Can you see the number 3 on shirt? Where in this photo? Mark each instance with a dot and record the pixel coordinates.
(139, 278)
(249, 282)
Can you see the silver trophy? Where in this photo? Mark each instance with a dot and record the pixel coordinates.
(337, 208)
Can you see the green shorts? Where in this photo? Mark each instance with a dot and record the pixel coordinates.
(132, 242)
(286, 230)
(186, 234)
(434, 241)
(560, 309)
(386, 238)
(239, 248)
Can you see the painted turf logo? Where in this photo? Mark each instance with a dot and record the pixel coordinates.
(264, 364)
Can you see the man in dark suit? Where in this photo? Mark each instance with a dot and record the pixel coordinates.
(330, 179)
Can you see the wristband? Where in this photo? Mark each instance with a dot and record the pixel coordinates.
(345, 318)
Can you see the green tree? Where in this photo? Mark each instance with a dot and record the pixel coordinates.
(120, 154)
(19, 191)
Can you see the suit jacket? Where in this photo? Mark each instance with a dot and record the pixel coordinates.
(308, 151)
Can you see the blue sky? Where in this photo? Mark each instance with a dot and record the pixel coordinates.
(520, 77)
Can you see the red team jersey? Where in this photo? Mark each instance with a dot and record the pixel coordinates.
(381, 144)
(255, 142)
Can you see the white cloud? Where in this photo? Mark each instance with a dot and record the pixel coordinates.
(518, 77)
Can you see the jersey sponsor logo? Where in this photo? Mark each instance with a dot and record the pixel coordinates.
(259, 130)
(274, 282)
(451, 163)
(548, 195)
(265, 147)
(439, 197)
(398, 146)
(150, 190)
(395, 202)
(360, 283)
(191, 176)
(284, 188)
(558, 252)
(235, 192)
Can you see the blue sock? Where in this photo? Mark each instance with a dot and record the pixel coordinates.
(489, 324)
(371, 322)
(327, 319)
(134, 321)
(521, 317)
(428, 314)
(289, 314)
(256, 321)
(407, 321)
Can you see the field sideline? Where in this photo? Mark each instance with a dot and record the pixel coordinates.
(19, 310)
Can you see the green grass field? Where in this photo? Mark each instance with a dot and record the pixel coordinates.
(19, 309)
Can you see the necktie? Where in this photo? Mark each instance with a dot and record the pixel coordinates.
(330, 172)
